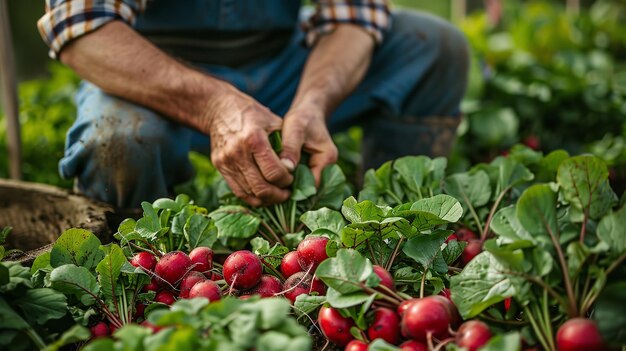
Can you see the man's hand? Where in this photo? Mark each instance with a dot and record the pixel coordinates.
(335, 67)
(241, 151)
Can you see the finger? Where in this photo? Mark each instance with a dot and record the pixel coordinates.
(323, 156)
(261, 189)
(272, 169)
(293, 139)
(241, 189)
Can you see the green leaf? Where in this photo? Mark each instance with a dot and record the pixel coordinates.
(109, 270)
(506, 225)
(235, 222)
(426, 250)
(131, 336)
(9, 319)
(381, 345)
(612, 229)
(303, 185)
(509, 342)
(345, 272)
(340, 300)
(360, 212)
(332, 188)
(76, 246)
(427, 213)
(470, 188)
(482, 283)
(453, 250)
(412, 171)
(324, 218)
(536, 211)
(148, 226)
(74, 335)
(511, 255)
(41, 262)
(271, 255)
(18, 276)
(42, 304)
(199, 231)
(306, 304)
(549, 165)
(166, 204)
(610, 313)
(512, 173)
(376, 183)
(275, 341)
(584, 183)
(5, 276)
(74, 280)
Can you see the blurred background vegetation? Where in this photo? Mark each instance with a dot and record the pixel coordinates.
(541, 76)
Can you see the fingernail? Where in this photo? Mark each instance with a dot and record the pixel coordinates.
(288, 163)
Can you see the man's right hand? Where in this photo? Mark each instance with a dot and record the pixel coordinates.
(240, 149)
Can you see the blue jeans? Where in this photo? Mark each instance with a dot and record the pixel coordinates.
(408, 103)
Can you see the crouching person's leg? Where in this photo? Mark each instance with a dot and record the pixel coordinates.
(409, 101)
(122, 153)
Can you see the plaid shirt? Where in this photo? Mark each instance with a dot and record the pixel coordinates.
(66, 20)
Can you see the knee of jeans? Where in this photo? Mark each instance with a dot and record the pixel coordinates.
(443, 38)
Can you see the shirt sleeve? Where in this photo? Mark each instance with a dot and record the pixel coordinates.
(372, 15)
(65, 20)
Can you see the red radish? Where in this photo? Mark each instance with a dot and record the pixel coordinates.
(404, 305)
(206, 288)
(202, 259)
(290, 265)
(451, 237)
(188, 282)
(455, 316)
(152, 286)
(139, 309)
(335, 327)
(311, 252)
(428, 314)
(172, 267)
(507, 304)
(532, 141)
(473, 335)
(267, 287)
(465, 234)
(144, 260)
(386, 326)
(445, 292)
(356, 345)
(242, 269)
(154, 328)
(473, 248)
(385, 277)
(301, 283)
(578, 334)
(112, 328)
(413, 345)
(216, 276)
(165, 297)
(99, 330)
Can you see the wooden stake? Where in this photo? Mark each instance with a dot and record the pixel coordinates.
(9, 93)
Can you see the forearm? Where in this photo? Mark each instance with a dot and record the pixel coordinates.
(123, 63)
(336, 65)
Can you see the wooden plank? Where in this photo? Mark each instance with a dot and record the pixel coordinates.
(9, 93)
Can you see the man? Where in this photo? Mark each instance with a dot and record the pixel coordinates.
(166, 76)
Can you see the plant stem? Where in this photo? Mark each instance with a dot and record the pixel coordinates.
(273, 270)
(369, 246)
(391, 292)
(502, 321)
(272, 218)
(294, 209)
(393, 256)
(393, 196)
(272, 232)
(472, 211)
(547, 319)
(584, 225)
(591, 299)
(423, 283)
(32, 334)
(492, 212)
(538, 332)
(544, 286)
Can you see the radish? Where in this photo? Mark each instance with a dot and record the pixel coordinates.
(335, 327)
(242, 269)
(144, 260)
(428, 314)
(99, 330)
(165, 297)
(356, 345)
(188, 282)
(311, 252)
(139, 309)
(579, 334)
(385, 277)
(386, 326)
(152, 286)
(445, 292)
(413, 345)
(451, 237)
(301, 283)
(403, 306)
(465, 234)
(473, 248)
(290, 265)
(473, 335)
(455, 316)
(202, 258)
(207, 289)
(216, 276)
(267, 287)
(172, 267)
